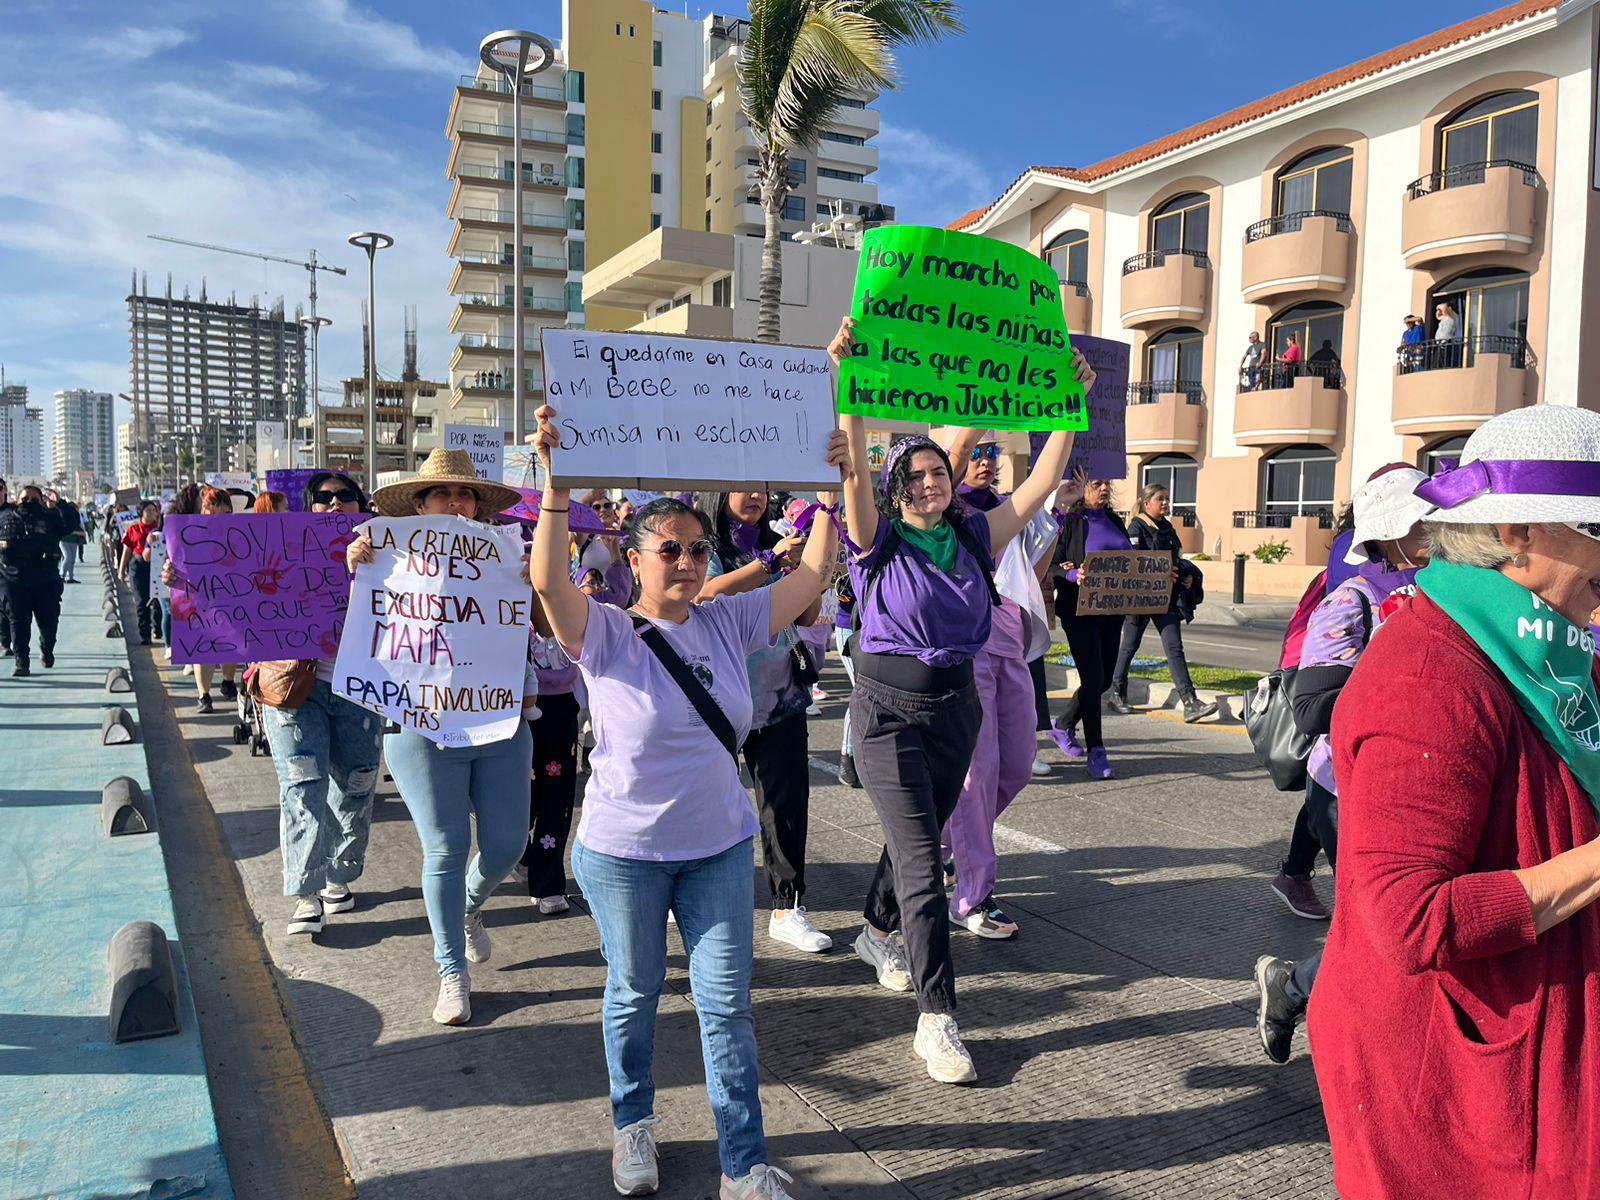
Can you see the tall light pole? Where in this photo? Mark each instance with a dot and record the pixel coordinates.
(371, 242)
(517, 54)
(315, 325)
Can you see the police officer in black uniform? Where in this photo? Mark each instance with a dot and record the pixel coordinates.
(30, 575)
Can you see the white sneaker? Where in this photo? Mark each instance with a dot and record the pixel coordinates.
(633, 1159)
(477, 939)
(939, 1045)
(887, 957)
(455, 999)
(336, 898)
(813, 710)
(763, 1183)
(794, 927)
(552, 906)
(1040, 767)
(519, 874)
(307, 916)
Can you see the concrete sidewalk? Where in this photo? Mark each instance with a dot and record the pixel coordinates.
(1114, 1037)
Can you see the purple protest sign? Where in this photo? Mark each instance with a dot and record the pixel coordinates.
(258, 587)
(1102, 449)
(292, 481)
(582, 519)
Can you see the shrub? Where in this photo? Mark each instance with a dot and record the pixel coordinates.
(1272, 552)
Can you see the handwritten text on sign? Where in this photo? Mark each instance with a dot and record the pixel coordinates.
(958, 330)
(484, 444)
(1125, 583)
(646, 411)
(438, 631)
(1102, 449)
(258, 587)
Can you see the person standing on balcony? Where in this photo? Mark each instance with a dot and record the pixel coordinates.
(1250, 364)
(1325, 364)
(1446, 335)
(1289, 361)
(1411, 344)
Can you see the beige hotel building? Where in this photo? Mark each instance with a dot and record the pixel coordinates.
(1459, 169)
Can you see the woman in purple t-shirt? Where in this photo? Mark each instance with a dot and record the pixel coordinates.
(925, 591)
(667, 825)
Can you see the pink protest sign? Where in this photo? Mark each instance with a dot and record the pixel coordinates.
(258, 587)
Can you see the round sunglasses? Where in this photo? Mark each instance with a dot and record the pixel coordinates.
(991, 452)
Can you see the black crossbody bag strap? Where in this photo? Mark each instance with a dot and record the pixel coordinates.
(704, 703)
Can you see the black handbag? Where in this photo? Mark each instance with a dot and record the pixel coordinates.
(1280, 747)
(702, 701)
(805, 667)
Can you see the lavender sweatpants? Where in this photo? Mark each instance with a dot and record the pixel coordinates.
(1002, 765)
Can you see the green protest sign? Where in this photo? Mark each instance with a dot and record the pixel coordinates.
(955, 329)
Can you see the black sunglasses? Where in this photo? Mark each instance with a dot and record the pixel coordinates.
(343, 496)
(673, 550)
(604, 505)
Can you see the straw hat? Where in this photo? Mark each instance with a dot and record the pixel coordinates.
(444, 466)
(1525, 466)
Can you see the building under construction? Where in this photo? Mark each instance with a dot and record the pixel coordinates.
(203, 374)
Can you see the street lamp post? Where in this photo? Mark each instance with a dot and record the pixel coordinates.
(517, 54)
(315, 325)
(371, 242)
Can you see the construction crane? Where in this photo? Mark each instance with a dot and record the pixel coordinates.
(311, 265)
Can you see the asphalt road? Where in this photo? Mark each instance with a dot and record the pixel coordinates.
(1252, 647)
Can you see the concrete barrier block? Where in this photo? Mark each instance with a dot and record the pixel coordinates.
(144, 985)
(114, 631)
(117, 680)
(116, 726)
(125, 808)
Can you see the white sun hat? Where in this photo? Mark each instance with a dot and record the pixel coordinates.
(1528, 465)
(1386, 509)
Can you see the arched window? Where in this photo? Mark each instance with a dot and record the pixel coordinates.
(1173, 362)
(1491, 311)
(1068, 253)
(1496, 129)
(1179, 474)
(1318, 328)
(1300, 481)
(1436, 456)
(1181, 223)
(1316, 182)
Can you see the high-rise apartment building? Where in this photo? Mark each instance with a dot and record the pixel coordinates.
(85, 436)
(636, 126)
(21, 434)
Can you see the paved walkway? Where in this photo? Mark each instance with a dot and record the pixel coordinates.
(1114, 1037)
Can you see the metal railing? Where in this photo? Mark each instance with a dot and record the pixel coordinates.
(497, 258)
(1280, 519)
(537, 220)
(1468, 174)
(499, 381)
(503, 86)
(1463, 352)
(494, 300)
(1273, 377)
(1290, 223)
(505, 175)
(1149, 391)
(491, 341)
(546, 137)
(1157, 258)
(1078, 286)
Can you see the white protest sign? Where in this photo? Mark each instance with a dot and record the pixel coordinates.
(436, 636)
(272, 446)
(125, 519)
(485, 443)
(649, 411)
(230, 479)
(158, 559)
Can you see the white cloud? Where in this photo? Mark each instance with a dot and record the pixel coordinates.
(928, 181)
(133, 44)
(347, 27)
(268, 77)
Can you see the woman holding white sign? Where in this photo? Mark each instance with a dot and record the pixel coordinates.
(667, 826)
(444, 787)
(925, 595)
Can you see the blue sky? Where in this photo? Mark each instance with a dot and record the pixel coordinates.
(278, 125)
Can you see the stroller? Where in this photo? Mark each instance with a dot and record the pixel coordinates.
(250, 728)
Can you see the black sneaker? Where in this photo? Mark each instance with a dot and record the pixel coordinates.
(228, 690)
(20, 671)
(1196, 709)
(847, 771)
(1115, 702)
(205, 704)
(950, 872)
(48, 657)
(1276, 1014)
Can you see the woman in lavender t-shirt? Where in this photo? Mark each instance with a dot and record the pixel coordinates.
(667, 824)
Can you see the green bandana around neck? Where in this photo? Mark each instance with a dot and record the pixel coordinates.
(1547, 660)
(938, 543)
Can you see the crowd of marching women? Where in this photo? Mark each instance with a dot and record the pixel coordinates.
(1438, 693)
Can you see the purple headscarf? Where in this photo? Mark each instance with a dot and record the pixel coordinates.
(904, 446)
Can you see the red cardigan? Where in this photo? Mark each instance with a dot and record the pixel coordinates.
(1458, 1053)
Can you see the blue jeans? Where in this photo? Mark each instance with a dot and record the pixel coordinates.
(69, 560)
(445, 787)
(326, 753)
(712, 900)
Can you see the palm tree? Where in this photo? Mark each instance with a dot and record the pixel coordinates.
(802, 58)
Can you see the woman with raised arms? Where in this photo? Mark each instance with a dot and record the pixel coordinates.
(666, 823)
(925, 594)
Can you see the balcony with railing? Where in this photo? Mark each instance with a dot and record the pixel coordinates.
(498, 85)
(498, 382)
(492, 267)
(501, 300)
(1165, 416)
(502, 177)
(1297, 252)
(545, 139)
(1474, 208)
(1291, 404)
(1455, 386)
(495, 216)
(1308, 533)
(1165, 285)
(1077, 306)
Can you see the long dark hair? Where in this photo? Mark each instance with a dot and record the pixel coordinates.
(713, 509)
(321, 477)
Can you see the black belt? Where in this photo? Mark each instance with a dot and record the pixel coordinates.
(908, 673)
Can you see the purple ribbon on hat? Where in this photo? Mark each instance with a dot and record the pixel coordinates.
(1453, 486)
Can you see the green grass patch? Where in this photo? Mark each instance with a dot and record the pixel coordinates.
(1221, 679)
